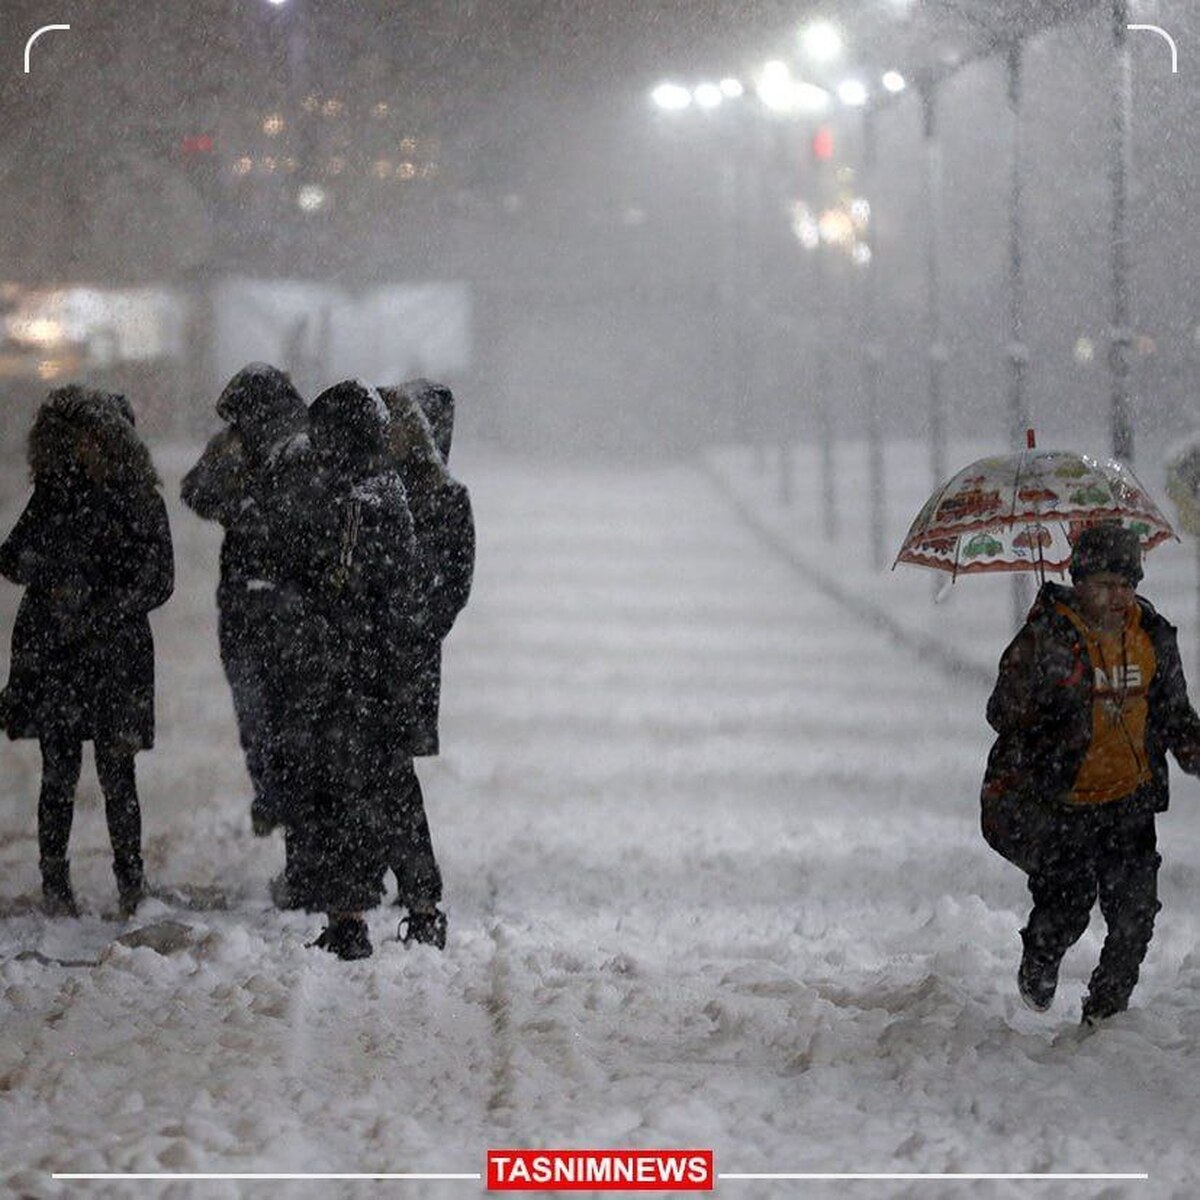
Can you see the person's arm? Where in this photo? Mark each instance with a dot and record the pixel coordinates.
(144, 577)
(1180, 722)
(456, 564)
(214, 488)
(22, 557)
(1038, 676)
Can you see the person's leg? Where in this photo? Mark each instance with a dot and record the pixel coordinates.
(61, 759)
(118, 782)
(241, 656)
(410, 849)
(1128, 862)
(1063, 887)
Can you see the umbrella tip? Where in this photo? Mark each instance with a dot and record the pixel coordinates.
(1030, 440)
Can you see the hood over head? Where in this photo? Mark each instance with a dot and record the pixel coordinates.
(411, 440)
(348, 427)
(262, 403)
(437, 403)
(81, 431)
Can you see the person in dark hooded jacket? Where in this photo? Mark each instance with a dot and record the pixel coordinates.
(436, 401)
(445, 539)
(93, 551)
(258, 462)
(353, 636)
(1090, 698)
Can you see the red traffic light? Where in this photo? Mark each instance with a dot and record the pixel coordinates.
(198, 143)
(822, 144)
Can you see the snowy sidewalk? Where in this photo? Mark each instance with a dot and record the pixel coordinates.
(713, 875)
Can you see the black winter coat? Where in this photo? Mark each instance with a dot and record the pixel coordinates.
(94, 558)
(353, 630)
(1041, 709)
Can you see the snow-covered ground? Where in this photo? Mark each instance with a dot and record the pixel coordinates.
(714, 879)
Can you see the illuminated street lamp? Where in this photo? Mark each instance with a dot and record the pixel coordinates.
(894, 82)
(852, 93)
(776, 88)
(822, 42)
(671, 97)
(708, 95)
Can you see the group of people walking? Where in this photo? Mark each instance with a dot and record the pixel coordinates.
(348, 552)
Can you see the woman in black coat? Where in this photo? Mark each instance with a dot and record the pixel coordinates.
(348, 724)
(93, 551)
(445, 537)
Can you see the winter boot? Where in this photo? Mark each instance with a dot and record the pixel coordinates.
(131, 882)
(58, 900)
(1099, 1006)
(347, 937)
(426, 928)
(1037, 979)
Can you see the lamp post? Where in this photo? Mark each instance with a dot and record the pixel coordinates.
(1121, 333)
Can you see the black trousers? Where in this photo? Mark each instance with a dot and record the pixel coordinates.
(1107, 851)
(242, 656)
(410, 844)
(62, 757)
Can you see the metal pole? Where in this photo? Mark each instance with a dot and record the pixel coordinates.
(933, 223)
(1018, 352)
(824, 408)
(1121, 334)
(872, 352)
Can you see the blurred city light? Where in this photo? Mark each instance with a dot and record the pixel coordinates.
(671, 97)
(311, 198)
(776, 88)
(731, 88)
(821, 41)
(708, 95)
(804, 226)
(852, 93)
(894, 81)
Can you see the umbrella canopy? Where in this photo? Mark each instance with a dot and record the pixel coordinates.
(1022, 512)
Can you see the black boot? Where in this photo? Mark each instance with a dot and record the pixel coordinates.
(58, 900)
(1037, 979)
(427, 928)
(347, 937)
(131, 882)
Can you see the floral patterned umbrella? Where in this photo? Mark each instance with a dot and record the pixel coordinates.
(1022, 512)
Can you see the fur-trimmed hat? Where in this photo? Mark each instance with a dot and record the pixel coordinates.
(1109, 546)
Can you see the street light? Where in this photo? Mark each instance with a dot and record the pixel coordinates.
(671, 97)
(894, 82)
(822, 42)
(708, 95)
(776, 88)
(852, 93)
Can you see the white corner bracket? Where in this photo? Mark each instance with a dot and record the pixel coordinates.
(33, 37)
(1162, 33)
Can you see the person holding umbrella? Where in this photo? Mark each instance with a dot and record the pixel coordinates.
(1090, 698)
